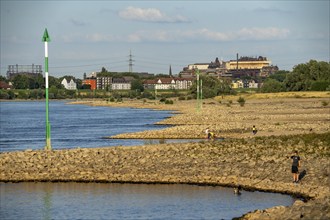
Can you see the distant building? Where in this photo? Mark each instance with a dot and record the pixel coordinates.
(236, 84)
(165, 83)
(199, 66)
(183, 83)
(241, 67)
(121, 84)
(31, 70)
(103, 82)
(91, 82)
(268, 70)
(248, 63)
(70, 86)
(6, 86)
(168, 83)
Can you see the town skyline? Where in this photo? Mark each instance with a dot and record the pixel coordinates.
(86, 36)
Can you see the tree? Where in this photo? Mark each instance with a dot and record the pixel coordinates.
(137, 85)
(272, 85)
(21, 82)
(104, 70)
(279, 75)
(2, 78)
(211, 87)
(303, 76)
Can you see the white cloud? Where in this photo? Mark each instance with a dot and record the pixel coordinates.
(202, 34)
(270, 33)
(262, 33)
(96, 37)
(150, 15)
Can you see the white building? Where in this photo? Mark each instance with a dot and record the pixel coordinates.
(183, 83)
(165, 83)
(200, 66)
(253, 84)
(168, 83)
(69, 86)
(120, 84)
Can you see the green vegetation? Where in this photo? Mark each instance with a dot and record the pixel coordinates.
(212, 87)
(241, 101)
(311, 76)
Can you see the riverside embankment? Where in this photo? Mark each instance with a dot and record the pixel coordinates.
(260, 163)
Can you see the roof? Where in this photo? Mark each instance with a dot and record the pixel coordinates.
(119, 80)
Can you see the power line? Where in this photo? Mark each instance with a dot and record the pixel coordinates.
(130, 62)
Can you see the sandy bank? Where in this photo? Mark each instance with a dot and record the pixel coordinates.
(258, 163)
(276, 116)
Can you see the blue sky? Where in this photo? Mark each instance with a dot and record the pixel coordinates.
(88, 35)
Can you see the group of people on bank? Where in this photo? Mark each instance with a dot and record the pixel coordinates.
(211, 135)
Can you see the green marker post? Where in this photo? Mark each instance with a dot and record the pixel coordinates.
(46, 39)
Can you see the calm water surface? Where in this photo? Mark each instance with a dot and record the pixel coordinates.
(22, 125)
(129, 201)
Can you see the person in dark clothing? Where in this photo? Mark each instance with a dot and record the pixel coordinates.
(295, 165)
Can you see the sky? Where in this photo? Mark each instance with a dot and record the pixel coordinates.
(88, 35)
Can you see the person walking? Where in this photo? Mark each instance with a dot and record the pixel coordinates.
(295, 165)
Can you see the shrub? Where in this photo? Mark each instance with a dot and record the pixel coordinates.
(182, 98)
(325, 103)
(241, 101)
(169, 102)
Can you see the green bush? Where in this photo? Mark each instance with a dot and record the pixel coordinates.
(320, 85)
(241, 101)
(169, 102)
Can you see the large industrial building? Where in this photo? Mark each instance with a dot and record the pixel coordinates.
(240, 67)
(31, 70)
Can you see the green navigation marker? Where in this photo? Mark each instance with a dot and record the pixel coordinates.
(46, 39)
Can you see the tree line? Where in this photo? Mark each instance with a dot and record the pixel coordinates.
(311, 76)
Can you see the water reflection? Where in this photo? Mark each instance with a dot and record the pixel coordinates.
(129, 201)
(47, 199)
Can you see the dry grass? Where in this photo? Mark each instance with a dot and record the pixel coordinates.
(279, 95)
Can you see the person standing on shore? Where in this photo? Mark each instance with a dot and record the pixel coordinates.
(295, 165)
(207, 132)
(254, 130)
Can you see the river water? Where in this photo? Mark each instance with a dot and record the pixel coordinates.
(129, 201)
(22, 126)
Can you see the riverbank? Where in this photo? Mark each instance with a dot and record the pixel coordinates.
(272, 116)
(259, 163)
